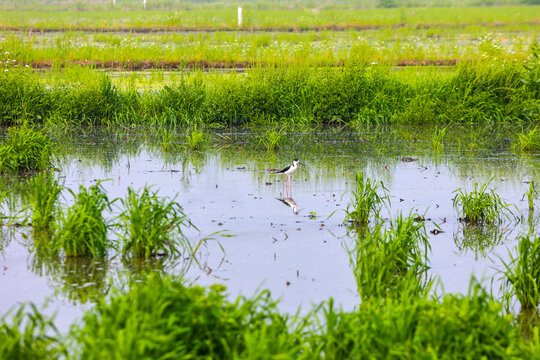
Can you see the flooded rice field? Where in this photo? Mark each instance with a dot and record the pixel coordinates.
(257, 231)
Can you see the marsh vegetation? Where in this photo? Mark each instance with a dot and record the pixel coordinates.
(142, 204)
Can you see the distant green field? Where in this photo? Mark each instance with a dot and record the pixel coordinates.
(225, 18)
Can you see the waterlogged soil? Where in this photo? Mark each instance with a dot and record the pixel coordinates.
(262, 233)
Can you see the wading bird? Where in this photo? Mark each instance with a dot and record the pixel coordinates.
(289, 170)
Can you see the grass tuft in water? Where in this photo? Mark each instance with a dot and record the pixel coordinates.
(152, 225)
(438, 138)
(531, 194)
(528, 141)
(195, 140)
(481, 206)
(82, 229)
(168, 140)
(43, 197)
(522, 274)
(390, 263)
(366, 200)
(28, 335)
(272, 139)
(26, 149)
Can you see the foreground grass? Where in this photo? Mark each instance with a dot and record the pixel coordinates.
(351, 95)
(162, 318)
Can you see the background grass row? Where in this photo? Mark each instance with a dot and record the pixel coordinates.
(354, 94)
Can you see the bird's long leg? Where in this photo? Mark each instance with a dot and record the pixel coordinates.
(286, 187)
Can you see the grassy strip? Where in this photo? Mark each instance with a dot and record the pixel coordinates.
(352, 95)
(403, 47)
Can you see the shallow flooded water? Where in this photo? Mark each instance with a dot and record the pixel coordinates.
(264, 234)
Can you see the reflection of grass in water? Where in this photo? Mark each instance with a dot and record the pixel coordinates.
(82, 280)
(479, 239)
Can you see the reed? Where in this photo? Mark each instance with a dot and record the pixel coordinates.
(26, 149)
(481, 206)
(521, 275)
(366, 200)
(82, 228)
(152, 226)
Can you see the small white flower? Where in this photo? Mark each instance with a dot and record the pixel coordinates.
(6, 70)
(6, 53)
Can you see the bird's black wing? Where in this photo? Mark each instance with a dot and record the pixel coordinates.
(282, 171)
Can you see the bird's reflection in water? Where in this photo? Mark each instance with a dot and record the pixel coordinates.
(290, 203)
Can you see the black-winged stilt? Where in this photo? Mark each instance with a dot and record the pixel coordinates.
(289, 170)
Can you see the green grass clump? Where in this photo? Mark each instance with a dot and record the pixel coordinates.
(195, 140)
(151, 225)
(162, 318)
(531, 194)
(437, 140)
(522, 274)
(528, 141)
(392, 263)
(469, 326)
(26, 149)
(366, 200)
(43, 197)
(480, 206)
(272, 139)
(28, 335)
(82, 229)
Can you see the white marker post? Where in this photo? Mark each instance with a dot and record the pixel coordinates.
(240, 16)
(114, 2)
(144, 4)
